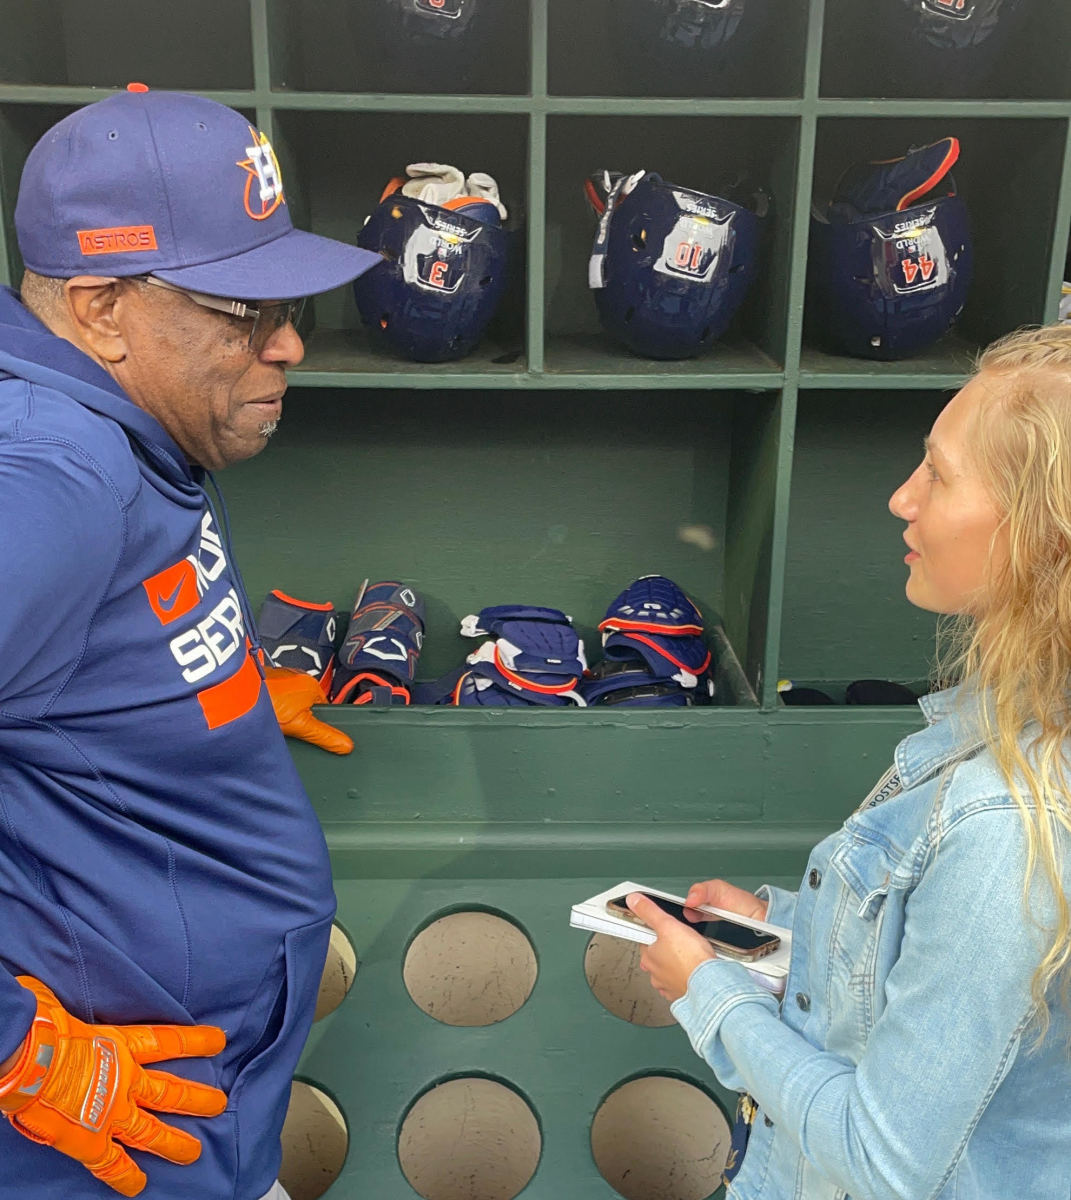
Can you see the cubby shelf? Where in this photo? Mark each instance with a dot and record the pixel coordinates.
(551, 466)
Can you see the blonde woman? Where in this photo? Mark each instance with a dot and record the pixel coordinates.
(922, 1048)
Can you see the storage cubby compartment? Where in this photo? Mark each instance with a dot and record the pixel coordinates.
(418, 46)
(845, 616)
(483, 499)
(640, 48)
(884, 50)
(196, 45)
(698, 153)
(1012, 212)
(336, 165)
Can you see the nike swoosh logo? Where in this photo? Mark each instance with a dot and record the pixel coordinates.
(167, 603)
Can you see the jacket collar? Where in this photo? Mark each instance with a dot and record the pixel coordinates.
(953, 731)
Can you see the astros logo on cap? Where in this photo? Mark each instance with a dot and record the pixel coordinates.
(263, 167)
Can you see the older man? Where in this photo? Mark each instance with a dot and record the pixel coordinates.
(164, 885)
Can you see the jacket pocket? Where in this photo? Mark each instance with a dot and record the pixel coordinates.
(261, 1091)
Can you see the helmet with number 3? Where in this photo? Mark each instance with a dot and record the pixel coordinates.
(890, 257)
(443, 275)
(670, 266)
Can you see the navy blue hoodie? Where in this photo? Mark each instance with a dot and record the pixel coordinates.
(159, 858)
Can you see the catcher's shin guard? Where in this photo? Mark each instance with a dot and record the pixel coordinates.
(378, 658)
(299, 634)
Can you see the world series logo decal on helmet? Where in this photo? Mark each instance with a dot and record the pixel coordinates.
(263, 168)
(912, 254)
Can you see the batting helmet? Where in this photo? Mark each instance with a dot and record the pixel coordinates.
(670, 265)
(442, 278)
(890, 257)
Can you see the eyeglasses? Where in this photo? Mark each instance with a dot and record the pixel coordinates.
(267, 319)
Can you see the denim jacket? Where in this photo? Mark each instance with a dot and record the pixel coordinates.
(901, 1062)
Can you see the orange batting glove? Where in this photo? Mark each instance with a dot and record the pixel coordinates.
(81, 1089)
(293, 693)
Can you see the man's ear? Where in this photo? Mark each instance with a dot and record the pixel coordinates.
(94, 310)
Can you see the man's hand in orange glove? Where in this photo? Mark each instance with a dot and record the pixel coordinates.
(293, 693)
(81, 1089)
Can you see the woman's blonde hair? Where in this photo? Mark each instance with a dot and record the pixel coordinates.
(1017, 647)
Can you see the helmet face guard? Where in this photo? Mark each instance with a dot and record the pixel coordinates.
(671, 266)
(442, 279)
(888, 286)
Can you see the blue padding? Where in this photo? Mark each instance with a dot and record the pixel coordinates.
(542, 648)
(502, 694)
(635, 688)
(544, 679)
(298, 637)
(489, 620)
(659, 652)
(653, 600)
(872, 188)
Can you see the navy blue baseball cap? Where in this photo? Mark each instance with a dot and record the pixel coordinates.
(176, 186)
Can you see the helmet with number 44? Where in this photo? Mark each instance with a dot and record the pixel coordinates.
(890, 258)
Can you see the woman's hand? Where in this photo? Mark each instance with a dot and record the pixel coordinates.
(677, 952)
(719, 894)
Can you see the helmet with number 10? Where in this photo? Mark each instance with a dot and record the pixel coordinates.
(671, 266)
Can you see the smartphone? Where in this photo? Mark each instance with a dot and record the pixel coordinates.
(727, 937)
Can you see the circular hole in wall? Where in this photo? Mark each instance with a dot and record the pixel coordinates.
(612, 966)
(314, 1140)
(660, 1138)
(469, 1139)
(339, 972)
(470, 968)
